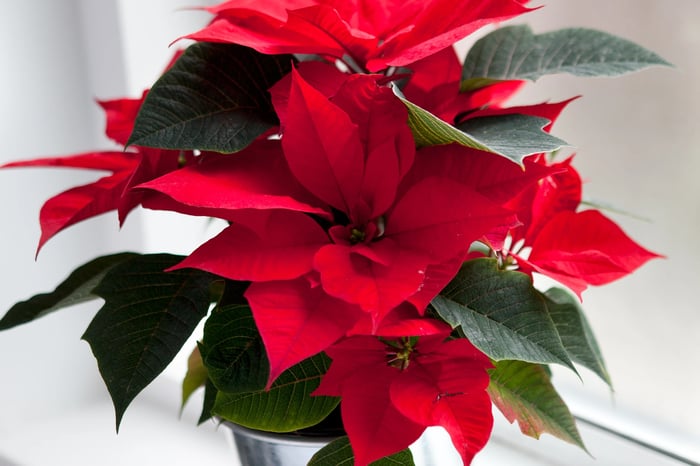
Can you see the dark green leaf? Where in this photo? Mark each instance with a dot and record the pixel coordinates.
(147, 316)
(514, 52)
(524, 393)
(339, 453)
(514, 136)
(429, 130)
(213, 98)
(210, 393)
(575, 332)
(233, 351)
(511, 136)
(195, 377)
(501, 313)
(75, 289)
(287, 406)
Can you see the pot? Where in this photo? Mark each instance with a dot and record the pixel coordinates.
(257, 448)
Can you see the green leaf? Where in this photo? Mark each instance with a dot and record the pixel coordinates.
(575, 332)
(75, 289)
(502, 314)
(287, 406)
(147, 316)
(524, 393)
(514, 52)
(606, 206)
(511, 136)
(476, 83)
(210, 393)
(429, 130)
(195, 377)
(339, 453)
(514, 136)
(213, 98)
(233, 351)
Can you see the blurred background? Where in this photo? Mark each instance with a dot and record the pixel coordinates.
(636, 140)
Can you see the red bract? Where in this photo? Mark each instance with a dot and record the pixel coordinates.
(575, 248)
(415, 382)
(121, 115)
(351, 150)
(112, 192)
(561, 191)
(257, 177)
(584, 248)
(297, 319)
(83, 202)
(434, 85)
(370, 34)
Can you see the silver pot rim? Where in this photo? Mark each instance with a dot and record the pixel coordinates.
(286, 438)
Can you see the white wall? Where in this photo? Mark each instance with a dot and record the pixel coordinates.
(637, 146)
(636, 138)
(58, 58)
(47, 108)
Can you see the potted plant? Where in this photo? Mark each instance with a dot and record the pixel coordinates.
(385, 211)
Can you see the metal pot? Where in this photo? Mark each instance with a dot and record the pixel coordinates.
(256, 448)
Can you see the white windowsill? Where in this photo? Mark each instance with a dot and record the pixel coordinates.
(153, 434)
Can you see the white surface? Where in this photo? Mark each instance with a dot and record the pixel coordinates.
(152, 434)
(47, 109)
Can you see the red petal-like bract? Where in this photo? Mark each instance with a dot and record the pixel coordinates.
(297, 320)
(585, 248)
(83, 202)
(281, 247)
(448, 388)
(352, 147)
(440, 218)
(121, 115)
(375, 427)
(255, 178)
(437, 276)
(560, 191)
(322, 146)
(429, 27)
(387, 142)
(267, 28)
(575, 248)
(400, 321)
(442, 383)
(153, 163)
(495, 177)
(434, 85)
(112, 192)
(372, 34)
(324, 77)
(376, 287)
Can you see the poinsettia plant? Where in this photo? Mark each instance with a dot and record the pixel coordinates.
(385, 212)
